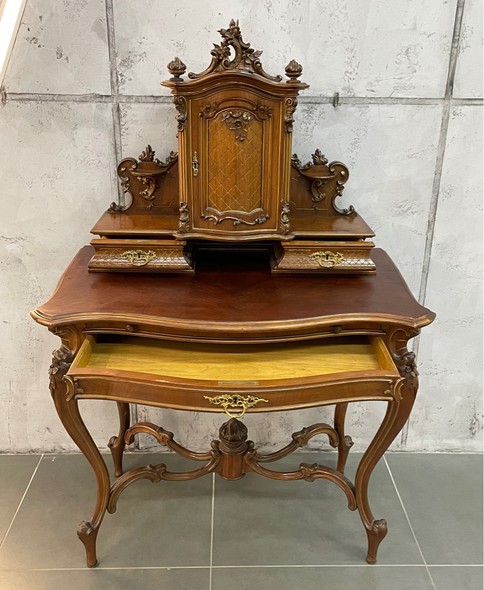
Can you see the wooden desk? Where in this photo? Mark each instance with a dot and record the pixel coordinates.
(233, 339)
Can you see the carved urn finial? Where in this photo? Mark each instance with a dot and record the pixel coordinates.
(293, 70)
(177, 68)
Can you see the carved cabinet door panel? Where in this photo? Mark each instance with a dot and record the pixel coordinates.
(237, 175)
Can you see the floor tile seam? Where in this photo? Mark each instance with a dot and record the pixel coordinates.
(21, 501)
(107, 568)
(320, 565)
(480, 565)
(409, 523)
(215, 567)
(212, 521)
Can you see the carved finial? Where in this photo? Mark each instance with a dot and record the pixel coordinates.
(147, 155)
(293, 70)
(319, 159)
(177, 68)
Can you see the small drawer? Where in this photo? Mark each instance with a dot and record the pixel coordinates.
(139, 256)
(234, 378)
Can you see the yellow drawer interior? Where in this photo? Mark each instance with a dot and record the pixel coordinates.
(217, 362)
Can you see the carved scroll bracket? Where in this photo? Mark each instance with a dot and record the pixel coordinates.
(290, 105)
(327, 180)
(140, 177)
(180, 103)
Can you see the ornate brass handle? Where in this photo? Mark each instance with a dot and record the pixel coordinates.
(327, 259)
(195, 166)
(235, 401)
(138, 257)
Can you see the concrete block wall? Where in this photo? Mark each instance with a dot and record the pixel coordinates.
(82, 91)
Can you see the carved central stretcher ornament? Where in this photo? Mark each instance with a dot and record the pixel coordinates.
(234, 178)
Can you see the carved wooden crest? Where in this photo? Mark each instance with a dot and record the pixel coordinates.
(246, 58)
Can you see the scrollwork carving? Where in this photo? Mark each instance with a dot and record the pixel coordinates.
(218, 218)
(180, 103)
(184, 218)
(61, 361)
(245, 58)
(330, 177)
(259, 110)
(290, 105)
(285, 223)
(139, 178)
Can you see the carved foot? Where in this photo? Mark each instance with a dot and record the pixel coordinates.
(87, 533)
(376, 533)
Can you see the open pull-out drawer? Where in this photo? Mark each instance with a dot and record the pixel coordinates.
(234, 378)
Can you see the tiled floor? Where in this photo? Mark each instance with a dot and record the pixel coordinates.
(253, 534)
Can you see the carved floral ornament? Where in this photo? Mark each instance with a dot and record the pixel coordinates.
(238, 122)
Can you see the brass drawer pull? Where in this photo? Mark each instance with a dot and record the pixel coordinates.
(239, 402)
(138, 257)
(327, 259)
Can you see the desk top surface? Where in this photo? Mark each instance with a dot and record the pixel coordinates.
(223, 298)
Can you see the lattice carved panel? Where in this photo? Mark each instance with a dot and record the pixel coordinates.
(235, 162)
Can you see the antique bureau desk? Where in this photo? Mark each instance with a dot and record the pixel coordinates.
(230, 281)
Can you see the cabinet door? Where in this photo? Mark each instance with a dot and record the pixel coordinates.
(236, 181)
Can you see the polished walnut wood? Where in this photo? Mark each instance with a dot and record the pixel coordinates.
(308, 340)
(234, 178)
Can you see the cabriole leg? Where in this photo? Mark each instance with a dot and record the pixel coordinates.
(63, 392)
(396, 416)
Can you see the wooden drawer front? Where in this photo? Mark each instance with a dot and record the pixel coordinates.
(326, 257)
(234, 378)
(139, 256)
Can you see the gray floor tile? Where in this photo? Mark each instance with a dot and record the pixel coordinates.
(329, 578)
(163, 524)
(443, 498)
(15, 474)
(264, 522)
(457, 578)
(157, 579)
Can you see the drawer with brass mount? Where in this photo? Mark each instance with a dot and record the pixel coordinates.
(235, 379)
